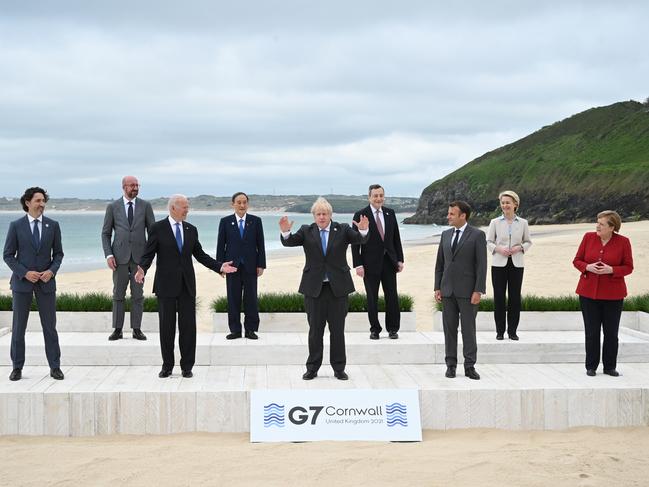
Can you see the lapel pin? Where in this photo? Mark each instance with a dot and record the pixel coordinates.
(335, 229)
(232, 223)
(47, 225)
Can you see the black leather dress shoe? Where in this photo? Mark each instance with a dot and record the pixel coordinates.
(56, 374)
(164, 373)
(374, 335)
(309, 374)
(341, 375)
(187, 374)
(16, 374)
(612, 372)
(471, 373)
(116, 335)
(591, 373)
(450, 372)
(138, 335)
(233, 336)
(513, 336)
(500, 337)
(251, 335)
(394, 335)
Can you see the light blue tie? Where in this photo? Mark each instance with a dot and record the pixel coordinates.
(179, 238)
(323, 239)
(241, 227)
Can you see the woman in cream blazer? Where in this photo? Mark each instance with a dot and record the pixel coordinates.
(508, 238)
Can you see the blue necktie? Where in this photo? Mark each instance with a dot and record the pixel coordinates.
(179, 238)
(36, 235)
(241, 227)
(323, 239)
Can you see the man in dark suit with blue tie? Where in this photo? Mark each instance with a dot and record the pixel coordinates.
(241, 241)
(378, 262)
(175, 242)
(33, 251)
(326, 281)
(460, 282)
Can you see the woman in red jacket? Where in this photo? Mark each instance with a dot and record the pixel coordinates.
(604, 258)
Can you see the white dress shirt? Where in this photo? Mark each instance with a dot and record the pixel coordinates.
(173, 222)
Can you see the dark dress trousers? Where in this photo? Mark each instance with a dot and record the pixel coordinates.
(127, 245)
(458, 275)
(247, 253)
(601, 296)
(325, 302)
(174, 285)
(22, 256)
(380, 258)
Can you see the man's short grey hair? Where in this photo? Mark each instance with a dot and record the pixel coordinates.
(174, 198)
(321, 204)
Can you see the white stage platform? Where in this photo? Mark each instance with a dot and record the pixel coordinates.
(133, 400)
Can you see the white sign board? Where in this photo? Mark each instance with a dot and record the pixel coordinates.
(312, 415)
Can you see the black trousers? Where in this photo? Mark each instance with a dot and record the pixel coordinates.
(242, 284)
(507, 280)
(601, 314)
(185, 306)
(388, 279)
(326, 308)
(47, 310)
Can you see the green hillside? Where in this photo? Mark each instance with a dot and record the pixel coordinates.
(564, 172)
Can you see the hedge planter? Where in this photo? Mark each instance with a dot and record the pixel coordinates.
(297, 322)
(88, 321)
(550, 321)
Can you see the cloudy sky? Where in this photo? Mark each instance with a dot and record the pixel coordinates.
(295, 97)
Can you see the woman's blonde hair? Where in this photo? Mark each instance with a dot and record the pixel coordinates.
(612, 218)
(512, 195)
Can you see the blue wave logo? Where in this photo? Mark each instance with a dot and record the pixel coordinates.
(397, 414)
(273, 415)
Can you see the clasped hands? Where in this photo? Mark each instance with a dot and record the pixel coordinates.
(475, 297)
(599, 268)
(34, 276)
(509, 251)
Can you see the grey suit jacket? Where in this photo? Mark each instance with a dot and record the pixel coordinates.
(464, 272)
(129, 241)
(21, 256)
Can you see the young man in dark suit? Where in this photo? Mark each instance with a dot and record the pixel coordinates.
(175, 242)
(326, 281)
(33, 251)
(129, 220)
(378, 262)
(241, 241)
(460, 282)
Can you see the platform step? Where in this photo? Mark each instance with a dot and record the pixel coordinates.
(291, 349)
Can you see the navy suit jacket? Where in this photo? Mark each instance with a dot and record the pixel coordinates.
(370, 255)
(21, 256)
(248, 250)
(174, 267)
(317, 265)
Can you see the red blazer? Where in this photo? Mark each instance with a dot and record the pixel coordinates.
(616, 253)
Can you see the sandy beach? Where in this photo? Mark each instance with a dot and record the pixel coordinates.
(578, 457)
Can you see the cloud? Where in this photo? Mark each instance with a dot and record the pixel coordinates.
(200, 96)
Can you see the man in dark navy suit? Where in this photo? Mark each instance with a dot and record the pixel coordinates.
(241, 241)
(378, 262)
(175, 242)
(34, 253)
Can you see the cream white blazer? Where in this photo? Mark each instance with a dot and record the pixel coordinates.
(500, 233)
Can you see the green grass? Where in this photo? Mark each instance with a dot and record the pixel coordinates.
(294, 303)
(83, 302)
(562, 303)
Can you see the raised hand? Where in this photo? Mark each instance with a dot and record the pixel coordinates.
(364, 224)
(285, 225)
